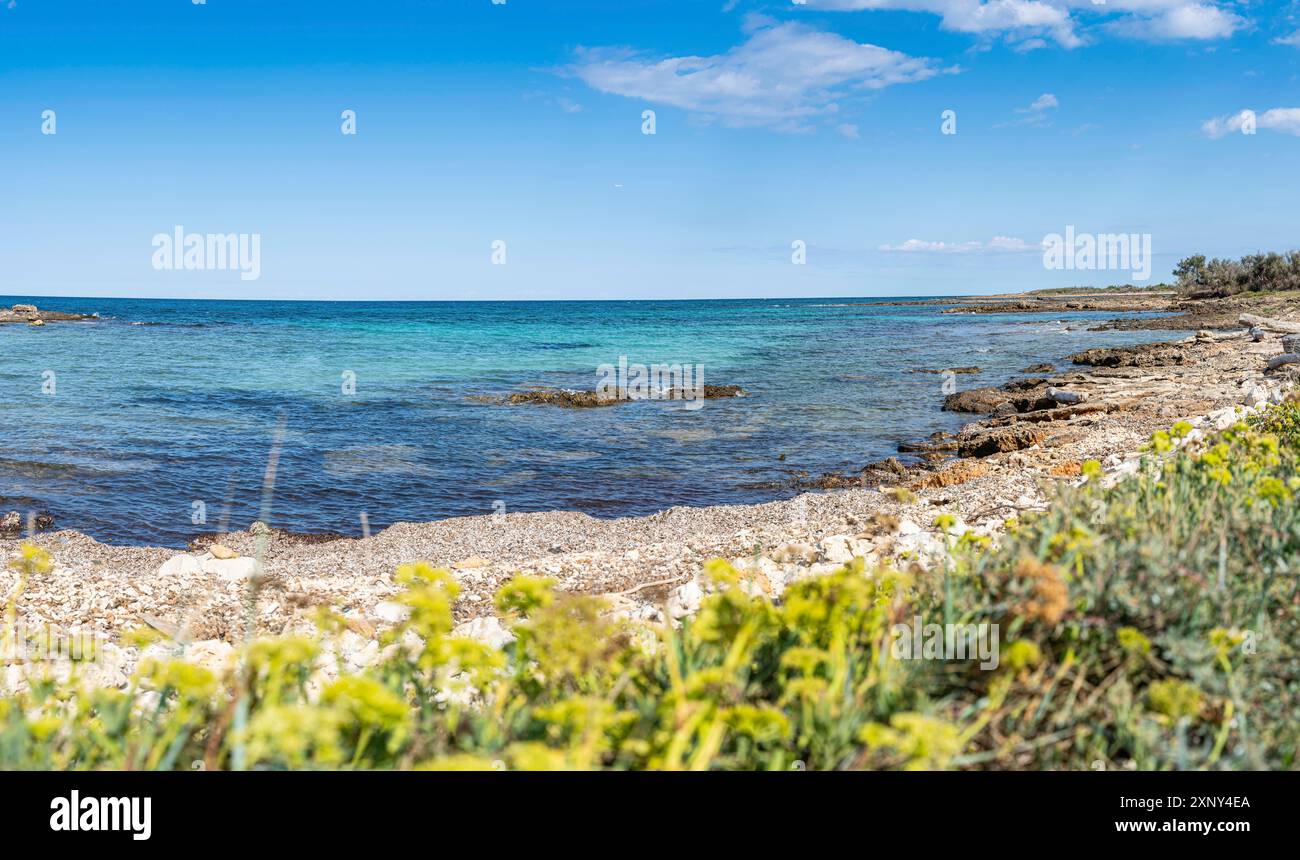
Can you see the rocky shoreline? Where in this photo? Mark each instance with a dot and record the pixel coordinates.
(1032, 434)
(1177, 312)
(33, 316)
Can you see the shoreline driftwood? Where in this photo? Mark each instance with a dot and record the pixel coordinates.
(1265, 322)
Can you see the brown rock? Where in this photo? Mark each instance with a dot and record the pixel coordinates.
(1025, 384)
(958, 473)
(1067, 469)
(982, 443)
(1142, 355)
(561, 397)
(982, 401)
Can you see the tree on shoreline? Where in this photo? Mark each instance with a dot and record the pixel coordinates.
(1255, 273)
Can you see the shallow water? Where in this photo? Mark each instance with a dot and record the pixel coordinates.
(164, 403)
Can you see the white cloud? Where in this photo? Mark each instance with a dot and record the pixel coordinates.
(1025, 17)
(1042, 103)
(998, 244)
(1293, 40)
(1285, 120)
(847, 129)
(1183, 21)
(1028, 22)
(782, 76)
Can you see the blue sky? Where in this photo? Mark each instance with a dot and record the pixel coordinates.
(774, 123)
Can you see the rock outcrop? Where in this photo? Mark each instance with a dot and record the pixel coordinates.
(31, 315)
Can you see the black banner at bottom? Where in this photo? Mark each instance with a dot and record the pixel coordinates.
(145, 811)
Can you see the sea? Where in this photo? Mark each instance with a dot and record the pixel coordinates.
(164, 419)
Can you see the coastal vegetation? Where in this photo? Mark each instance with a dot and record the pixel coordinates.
(1255, 273)
(1146, 623)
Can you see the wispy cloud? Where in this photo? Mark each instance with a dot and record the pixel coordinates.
(998, 244)
(1042, 103)
(1027, 23)
(1285, 120)
(1024, 18)
(784, 76)
(1034, 114)
(1293, 40)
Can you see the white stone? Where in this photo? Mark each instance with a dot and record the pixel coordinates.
(386, 610)
(907, 527)
(835, 549)
(795, 552)
(1061, 395)
(1255, 395)
(925, 545)
(487, 629)
(1222, 419)
(685, 599)
(180, 565)
(861, 547)
(215, 655)
(231, 569)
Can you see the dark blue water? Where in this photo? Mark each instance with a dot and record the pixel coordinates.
(164, 403)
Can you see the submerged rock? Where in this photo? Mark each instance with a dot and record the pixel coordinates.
(953, 370)
(561, 397)
(14, 523)
(573, 399)
(30, 314)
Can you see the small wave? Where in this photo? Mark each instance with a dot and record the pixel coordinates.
(554, 346)
(154, 323)
(40, 468)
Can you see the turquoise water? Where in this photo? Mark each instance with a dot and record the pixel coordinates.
(163, 403)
